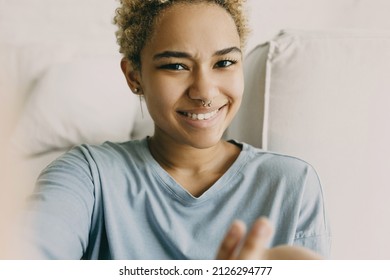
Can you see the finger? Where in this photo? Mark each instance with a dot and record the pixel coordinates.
(286, 252)
(228, 247)
(254, 247)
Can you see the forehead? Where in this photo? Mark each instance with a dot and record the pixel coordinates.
(194, 27)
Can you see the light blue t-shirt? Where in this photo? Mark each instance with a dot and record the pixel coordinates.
(114, 201)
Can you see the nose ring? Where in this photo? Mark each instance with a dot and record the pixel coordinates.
(207, 103)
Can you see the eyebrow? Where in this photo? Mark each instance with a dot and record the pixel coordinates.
(227, 50)
(176, 54)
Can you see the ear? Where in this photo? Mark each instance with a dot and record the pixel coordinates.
(132, 75)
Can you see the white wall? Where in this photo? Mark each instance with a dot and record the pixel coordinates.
(65, 21)
(72, 21)
(267, 17)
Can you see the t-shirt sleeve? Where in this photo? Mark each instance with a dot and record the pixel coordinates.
(313, 230)
(58, 214)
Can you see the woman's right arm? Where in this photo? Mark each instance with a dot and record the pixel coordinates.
(58, 213)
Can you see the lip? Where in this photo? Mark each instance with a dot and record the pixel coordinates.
(202, 123)
(201, 110)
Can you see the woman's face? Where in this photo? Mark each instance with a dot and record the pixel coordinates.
(193, 55)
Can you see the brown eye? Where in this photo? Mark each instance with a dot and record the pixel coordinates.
(173, 66)
(225, 63)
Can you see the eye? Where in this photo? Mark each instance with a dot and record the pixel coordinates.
(225, 63)
(173, 66)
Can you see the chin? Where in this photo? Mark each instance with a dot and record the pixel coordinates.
(204, 142)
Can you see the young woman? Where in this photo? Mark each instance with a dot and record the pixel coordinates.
(182, 193)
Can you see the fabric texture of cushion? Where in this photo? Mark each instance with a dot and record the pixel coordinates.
(79, 101)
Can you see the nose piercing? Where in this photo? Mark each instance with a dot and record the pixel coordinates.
(207, 103)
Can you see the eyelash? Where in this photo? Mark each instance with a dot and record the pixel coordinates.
(231, 61)
(175, 66)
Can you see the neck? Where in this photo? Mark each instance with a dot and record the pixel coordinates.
(195, 168)
(175, 156)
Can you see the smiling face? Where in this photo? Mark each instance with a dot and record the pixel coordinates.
(193, 56)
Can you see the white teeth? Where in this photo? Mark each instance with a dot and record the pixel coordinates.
(201, 117)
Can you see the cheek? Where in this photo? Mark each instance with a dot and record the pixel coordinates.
(234, 85)
(160, 92)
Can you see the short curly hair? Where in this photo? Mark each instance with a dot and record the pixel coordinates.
(135, 19)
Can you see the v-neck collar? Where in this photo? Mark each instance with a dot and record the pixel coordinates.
(179, 192)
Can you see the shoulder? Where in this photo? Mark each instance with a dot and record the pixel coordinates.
(276, 172)
(275, 163)
(87, 157)
(108, 149)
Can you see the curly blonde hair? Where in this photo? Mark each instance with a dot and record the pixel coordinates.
(135, 19)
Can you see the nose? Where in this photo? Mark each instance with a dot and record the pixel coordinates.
(203, 86)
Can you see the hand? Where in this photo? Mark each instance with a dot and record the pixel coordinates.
(235, 246)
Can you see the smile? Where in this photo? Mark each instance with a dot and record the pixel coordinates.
(201, 117)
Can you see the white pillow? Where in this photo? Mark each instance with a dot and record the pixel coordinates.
(327, 88)
(247, 125)
(81, 101)
(21, 65)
